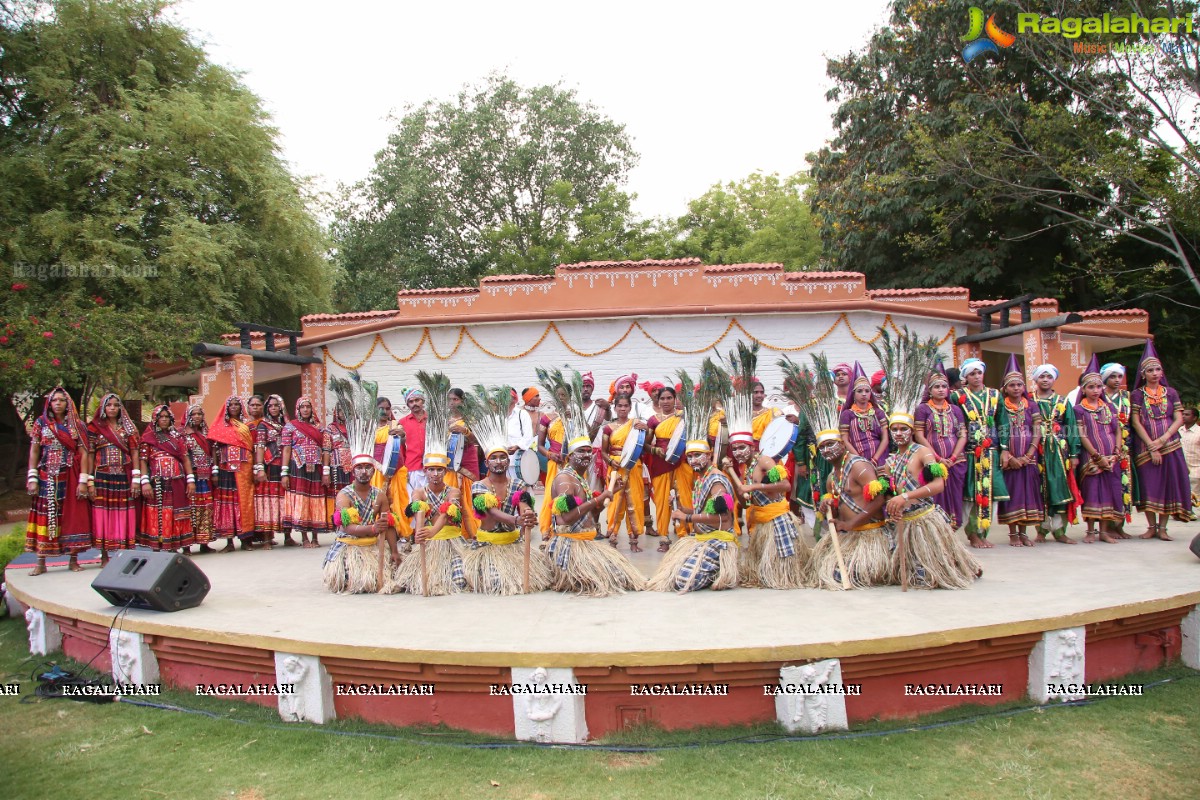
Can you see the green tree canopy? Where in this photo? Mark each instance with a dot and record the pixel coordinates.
(502, 179)
(136, 173)
(885, 212)
(760, 219)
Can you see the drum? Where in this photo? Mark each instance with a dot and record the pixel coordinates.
(455, 449)
(392, 451)
(635, 442)
(528, 466)
(721, 445)
(779, 438)
(673, 452)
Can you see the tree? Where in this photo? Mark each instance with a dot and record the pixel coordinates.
(760, 219)
(1125, 141)
(503, 179)
(133, 170)
(885, 213)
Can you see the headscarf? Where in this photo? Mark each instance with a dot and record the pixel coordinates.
(588, 380)
(72, 422)
(282, 410)
(100, 427)
(201, 436)
(411, 393)
(311, 429)
(233, 431)
(173, 444)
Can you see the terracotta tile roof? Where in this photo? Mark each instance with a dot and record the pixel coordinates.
(492, 279)
(1036, 302)
(255, 336)
(350, 316)
(1115, 312)
(873, 293)
(728, 269)
(650, 262)
(442, 290)
(823, 276)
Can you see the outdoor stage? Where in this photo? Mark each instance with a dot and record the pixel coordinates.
(1129, 598)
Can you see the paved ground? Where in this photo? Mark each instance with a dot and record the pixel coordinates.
(276, 600)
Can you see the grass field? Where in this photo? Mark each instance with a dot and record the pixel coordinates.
(1128, 747)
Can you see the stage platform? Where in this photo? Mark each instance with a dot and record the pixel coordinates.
(1130, 598)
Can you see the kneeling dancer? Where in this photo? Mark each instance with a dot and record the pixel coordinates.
(706, 556)
(500, 560)
(356, 562)
(435, 566)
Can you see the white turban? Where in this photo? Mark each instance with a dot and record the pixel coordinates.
(971, 365)
(1045, 369)
(1111, 368)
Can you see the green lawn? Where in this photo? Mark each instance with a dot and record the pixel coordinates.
(1129, 747)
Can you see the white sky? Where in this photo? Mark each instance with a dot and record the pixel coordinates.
(707, 93)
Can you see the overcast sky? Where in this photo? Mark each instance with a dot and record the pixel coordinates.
(708, 93)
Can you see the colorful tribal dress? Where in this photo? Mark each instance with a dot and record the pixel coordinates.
(555, 438)
(440, 557)
(233, 495)
(1163, 488)
(941, 424)
(200, 451)
(115, 502)
(166, 517)
(928, 550)
(581, 562)
(1018, 427)
(268, 494)
(1120, 401)
(304, 502)
(867, 550)
(494, 561)
(1103, 495)
(1058, 444)
(59, 522)
(708, 556)
(863, 430)
(985, 481)
(665, 476)
(635, 488)
(351, 564)
(778, 555)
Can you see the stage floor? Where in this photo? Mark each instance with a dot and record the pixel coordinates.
(276, 601)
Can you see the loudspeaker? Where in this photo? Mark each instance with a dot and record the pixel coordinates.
(1195, 546)
(153, 581)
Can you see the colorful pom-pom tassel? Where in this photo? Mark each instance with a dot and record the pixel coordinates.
(564, 504)
(777, 473)
(933, 472)
(484, 501)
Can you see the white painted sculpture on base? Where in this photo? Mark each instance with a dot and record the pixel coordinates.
(133, 662)
(312, 698)
(1057, 666)
(810, 699)
(548, 705)
(44, 636)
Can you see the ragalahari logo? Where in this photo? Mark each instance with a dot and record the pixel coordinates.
(996, 38)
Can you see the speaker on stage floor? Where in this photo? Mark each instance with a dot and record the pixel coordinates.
(1195, 546)
(153, 581)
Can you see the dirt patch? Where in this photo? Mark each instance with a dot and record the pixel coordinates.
(632, 760)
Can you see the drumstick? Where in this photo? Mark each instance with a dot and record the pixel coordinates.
(424, 563)
(527, 532)
(902, 543)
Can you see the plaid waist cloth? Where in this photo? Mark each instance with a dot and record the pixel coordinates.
(700, 569)
(783, 528)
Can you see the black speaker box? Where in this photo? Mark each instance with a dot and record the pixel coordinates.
(1196, 546)
(153, 581)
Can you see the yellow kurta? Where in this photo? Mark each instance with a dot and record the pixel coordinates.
(556, 433)
(636, 488)
(761, 420)
(680, 478)
(396, 488)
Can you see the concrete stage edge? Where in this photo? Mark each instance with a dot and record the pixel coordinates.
(1135, 604)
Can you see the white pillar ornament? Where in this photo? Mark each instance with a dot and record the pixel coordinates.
(44, 635)
(312, 700)
(133, 662)
(811, 698)
(1190, 627)
(1056, 666)
(548, 705)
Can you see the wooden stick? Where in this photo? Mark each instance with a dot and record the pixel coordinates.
(420, 523)
(528, 534)
(837, 550)
(902, 543)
